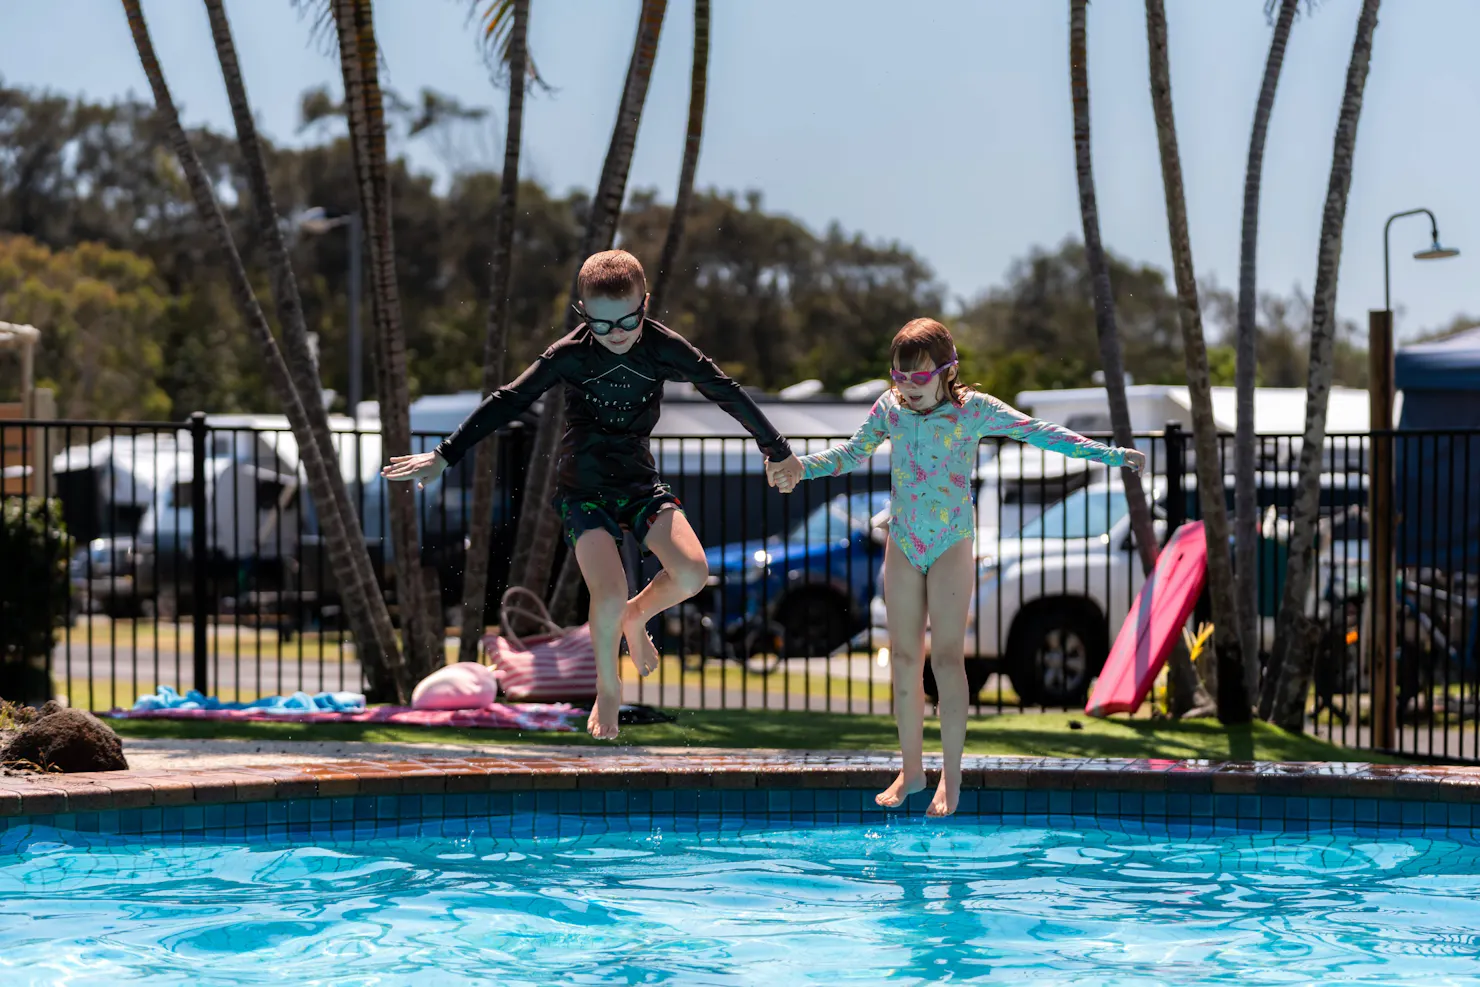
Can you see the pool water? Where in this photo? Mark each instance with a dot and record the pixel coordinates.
(902, 902)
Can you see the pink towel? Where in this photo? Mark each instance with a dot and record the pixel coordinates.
(499, 716)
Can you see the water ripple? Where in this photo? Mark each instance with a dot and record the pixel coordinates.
(894, 903)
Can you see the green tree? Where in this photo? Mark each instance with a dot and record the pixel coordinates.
(1043, 320)
(102, 313)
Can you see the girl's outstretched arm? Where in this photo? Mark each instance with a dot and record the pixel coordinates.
(998, 418)
(849, 456)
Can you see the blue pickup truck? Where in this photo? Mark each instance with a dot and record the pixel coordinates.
(796, 595)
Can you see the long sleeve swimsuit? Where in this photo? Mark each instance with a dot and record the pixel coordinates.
(931, 457)
(612, 404)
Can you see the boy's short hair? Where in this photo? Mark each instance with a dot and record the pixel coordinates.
(611, 274)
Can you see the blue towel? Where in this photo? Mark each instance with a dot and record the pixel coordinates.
(298, 702)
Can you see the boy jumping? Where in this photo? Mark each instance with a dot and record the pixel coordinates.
(613, 367)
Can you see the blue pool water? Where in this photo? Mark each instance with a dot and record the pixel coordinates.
(899, 902)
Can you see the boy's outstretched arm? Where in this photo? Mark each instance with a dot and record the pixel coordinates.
(493, 413)
(502, 406)
(688, 364)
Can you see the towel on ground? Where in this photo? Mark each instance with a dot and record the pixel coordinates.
(299, 702)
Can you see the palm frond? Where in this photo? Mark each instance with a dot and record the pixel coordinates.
(438, 108)
(315, 106)
(1271, 8)
(323, 33)
(496, 35)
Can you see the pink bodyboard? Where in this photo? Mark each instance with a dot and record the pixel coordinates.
(1154, 624)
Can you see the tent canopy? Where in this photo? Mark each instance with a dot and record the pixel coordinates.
(1438, 467)
(1451, 364)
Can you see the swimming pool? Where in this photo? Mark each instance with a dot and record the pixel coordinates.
(725, 901)
(571, 872)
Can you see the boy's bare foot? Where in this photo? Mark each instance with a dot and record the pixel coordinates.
(602, 723)
(946, 797)
(904, 786)
(639, 645)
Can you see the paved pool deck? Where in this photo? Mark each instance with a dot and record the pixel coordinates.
(177, 773)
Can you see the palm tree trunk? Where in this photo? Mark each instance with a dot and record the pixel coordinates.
(698, 83)
(1287, 685)
(359, 62)
(1185, 684)
(480, 527)
(279, 377)
(1246, 507)
(1228, 651)
(539, 529)
(364, 603)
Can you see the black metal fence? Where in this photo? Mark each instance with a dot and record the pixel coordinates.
(193, 560)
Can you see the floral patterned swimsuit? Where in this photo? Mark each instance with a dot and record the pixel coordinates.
(932, 455)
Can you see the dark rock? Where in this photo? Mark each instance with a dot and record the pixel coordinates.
(66, 740)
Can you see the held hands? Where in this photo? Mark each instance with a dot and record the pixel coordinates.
(785, 475)
(1135, 460)
(424, 467)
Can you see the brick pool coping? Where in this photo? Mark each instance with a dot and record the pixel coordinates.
(48, 794)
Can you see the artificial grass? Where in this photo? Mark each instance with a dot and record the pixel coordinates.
(1027, 734)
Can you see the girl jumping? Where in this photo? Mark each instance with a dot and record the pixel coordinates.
(933, 423)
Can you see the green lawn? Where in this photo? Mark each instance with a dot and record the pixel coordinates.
(1041, 734)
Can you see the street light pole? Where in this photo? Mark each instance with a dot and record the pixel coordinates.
(317, 221)
(356, 351)
(1382, 394)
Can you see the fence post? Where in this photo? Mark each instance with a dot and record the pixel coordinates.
(1176, 441)
(199, 518)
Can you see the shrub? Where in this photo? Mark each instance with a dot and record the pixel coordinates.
(34, 551)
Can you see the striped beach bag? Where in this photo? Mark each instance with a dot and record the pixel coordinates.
(556, 665)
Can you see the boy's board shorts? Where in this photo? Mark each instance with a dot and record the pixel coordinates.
(631, 510)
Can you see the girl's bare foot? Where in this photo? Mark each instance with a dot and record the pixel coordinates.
(904, 786)
(946, 797)
(639, 645)
(602, 723)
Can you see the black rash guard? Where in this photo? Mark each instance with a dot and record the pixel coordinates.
(612, 404)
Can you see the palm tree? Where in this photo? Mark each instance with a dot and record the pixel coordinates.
(1228, 652)
(698, 82)
(1287, 685)
(1245, 508)
(301, 364)
(1185, 685)
(382, 665)
(359, 59)
(538, 533)
(1099, 270)
(511, 16)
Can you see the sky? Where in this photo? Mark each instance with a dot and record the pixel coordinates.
(948, 130)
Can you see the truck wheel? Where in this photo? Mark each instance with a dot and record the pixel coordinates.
(816, 622)
(1053, 653)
